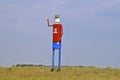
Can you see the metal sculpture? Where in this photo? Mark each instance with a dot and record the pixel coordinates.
(57, 36)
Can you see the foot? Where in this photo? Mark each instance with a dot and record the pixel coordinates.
(52, 70)
(58, 70)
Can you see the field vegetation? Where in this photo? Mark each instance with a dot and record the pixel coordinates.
(66, 73)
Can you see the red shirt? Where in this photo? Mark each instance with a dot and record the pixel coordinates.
(57, 32)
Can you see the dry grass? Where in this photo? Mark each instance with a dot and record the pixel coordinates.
(66, 73)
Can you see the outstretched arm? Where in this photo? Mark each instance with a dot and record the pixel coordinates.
(48, 22)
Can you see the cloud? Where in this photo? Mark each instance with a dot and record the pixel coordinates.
(26, 17)
(91, 23)
(85, 7)
(111, 3)
(92, 10)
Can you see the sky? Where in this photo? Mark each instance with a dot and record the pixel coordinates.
(91, 32)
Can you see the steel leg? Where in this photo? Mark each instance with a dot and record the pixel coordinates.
(59, 60)
(53, 54)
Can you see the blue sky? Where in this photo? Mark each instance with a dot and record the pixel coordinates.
(91, 32)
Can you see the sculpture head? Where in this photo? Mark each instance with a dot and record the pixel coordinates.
(57, 18)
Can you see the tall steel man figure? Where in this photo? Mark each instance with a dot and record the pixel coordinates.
(57, 36)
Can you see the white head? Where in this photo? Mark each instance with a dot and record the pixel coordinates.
(57, 18)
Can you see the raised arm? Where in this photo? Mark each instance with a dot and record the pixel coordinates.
(48, 22)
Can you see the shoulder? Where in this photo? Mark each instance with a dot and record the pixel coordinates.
(57, 24)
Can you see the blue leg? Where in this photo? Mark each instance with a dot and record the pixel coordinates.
(53, 54)
(59, 59)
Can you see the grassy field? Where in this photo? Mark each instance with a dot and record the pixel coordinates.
(66, 73)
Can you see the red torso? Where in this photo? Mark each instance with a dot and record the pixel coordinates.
(57, 32)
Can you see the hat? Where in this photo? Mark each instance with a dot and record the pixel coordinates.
(57, 16)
